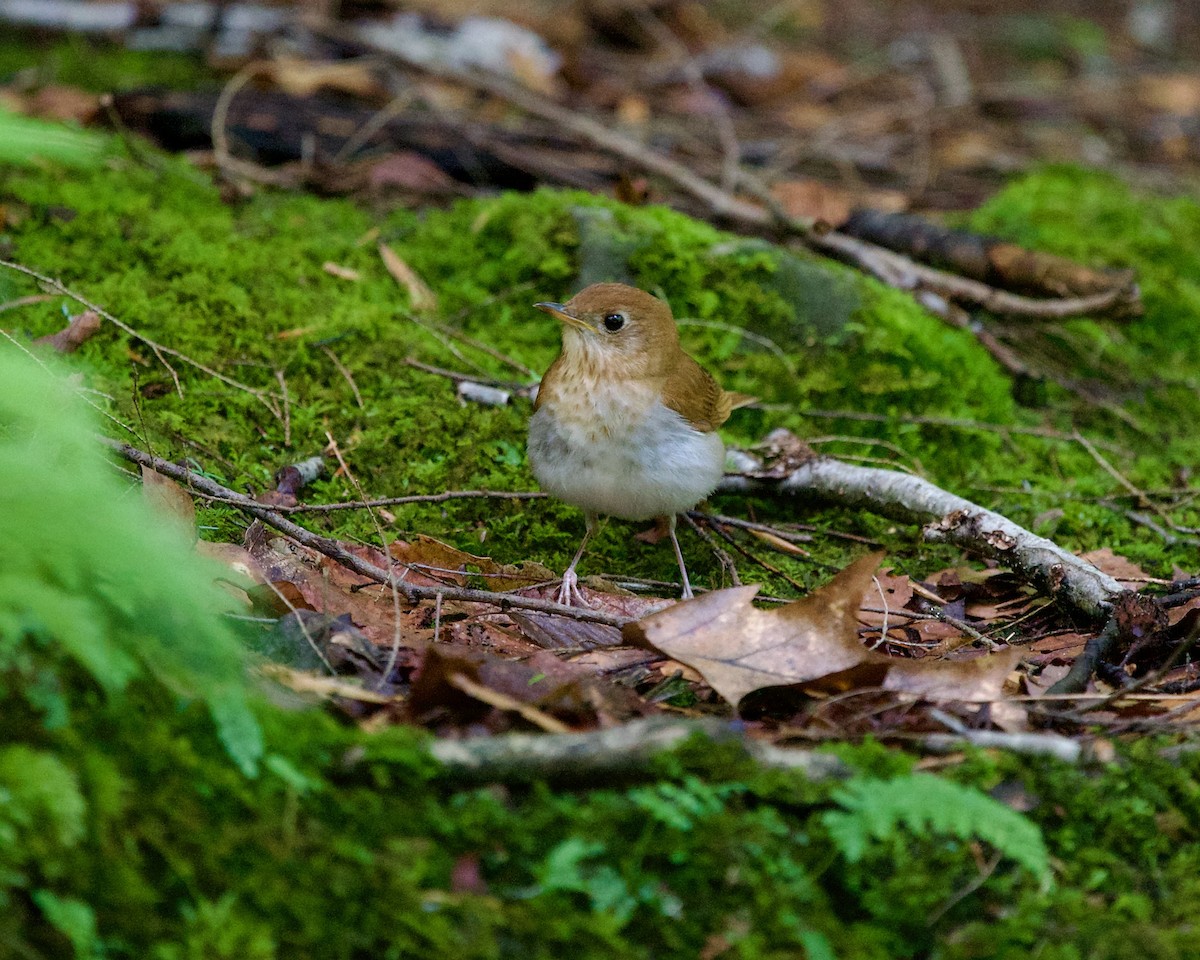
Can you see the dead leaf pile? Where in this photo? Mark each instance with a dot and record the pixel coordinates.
(850, 658)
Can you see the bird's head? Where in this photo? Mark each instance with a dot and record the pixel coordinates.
(618, 325)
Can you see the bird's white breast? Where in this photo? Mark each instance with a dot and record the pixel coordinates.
(618, 450)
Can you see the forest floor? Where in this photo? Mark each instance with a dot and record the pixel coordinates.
(250, 321)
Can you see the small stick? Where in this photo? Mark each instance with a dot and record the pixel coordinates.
(335, 551)
(723, 557)
(159, 350)
(345, 372)
(394, 501)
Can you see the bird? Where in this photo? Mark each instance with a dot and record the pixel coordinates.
(625, 421)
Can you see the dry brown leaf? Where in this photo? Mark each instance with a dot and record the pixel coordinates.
(561, 633)
(740, 649)
(814, 200)
(81, 328)
(502, 701)
(238, 560)
(1177, 93)
(409, 170)
(170, 500)
(893, 591)
(310, 580)
(423, 299)
(303, 78)
(1124, 571)
(978, 679)
(1059, 648)
(438, 562)
(56, 102)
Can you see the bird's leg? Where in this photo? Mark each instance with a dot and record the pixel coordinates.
(687, 587)
(569, 592)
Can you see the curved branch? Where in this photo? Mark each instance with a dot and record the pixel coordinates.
(947, 518)
(336, 551)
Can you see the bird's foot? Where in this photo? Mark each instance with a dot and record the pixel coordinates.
(569, 593)
(687, 593)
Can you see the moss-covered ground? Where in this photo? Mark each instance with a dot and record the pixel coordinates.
(240, 287)
(151, 839)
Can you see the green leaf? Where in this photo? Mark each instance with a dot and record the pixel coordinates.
(24, 140)
(925, 805)
(73, 918)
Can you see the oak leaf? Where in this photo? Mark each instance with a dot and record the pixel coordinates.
(812, 642)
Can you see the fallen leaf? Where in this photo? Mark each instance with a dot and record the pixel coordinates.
(1177, 93)
(342, 273)
(739, 649)
(170, 500)
(814, 200)
(234, 556)
(409, 170)
(438, 562)
(303, 78)
(885, 590)
(559, 633)
(422, 299)
(978, 679)
(1124, 571)
(81, 328)
(309, 580)
(1058, 648)
(502, 701)
(57, 102)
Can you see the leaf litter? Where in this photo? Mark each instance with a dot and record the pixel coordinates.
(861, 654)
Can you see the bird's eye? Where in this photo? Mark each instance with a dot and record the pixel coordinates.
(614, 322)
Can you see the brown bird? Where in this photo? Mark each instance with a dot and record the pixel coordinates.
(625, 421)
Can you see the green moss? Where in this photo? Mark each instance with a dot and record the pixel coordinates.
(241, 288)
(126, 830)
(96, 65)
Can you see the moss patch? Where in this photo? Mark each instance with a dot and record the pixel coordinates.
(241, 288)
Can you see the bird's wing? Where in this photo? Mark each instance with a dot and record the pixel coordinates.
(692, 392)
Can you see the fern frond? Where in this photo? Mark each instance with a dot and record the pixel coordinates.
(92, 571)
(926, 805)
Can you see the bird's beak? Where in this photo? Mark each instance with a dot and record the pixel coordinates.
(559, 312)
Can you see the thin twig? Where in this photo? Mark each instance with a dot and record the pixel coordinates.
(346, 375)
(517, 388)
(225, 161)
(383, 543)
(486, 348)
(723, 557)
(1103, 463)
(723, 119)
(336, 551)
(28, 301)
(955, 423)
(158, 349)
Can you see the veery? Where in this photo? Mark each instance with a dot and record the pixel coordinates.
(625, 422)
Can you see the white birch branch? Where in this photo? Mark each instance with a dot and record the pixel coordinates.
(946, 518)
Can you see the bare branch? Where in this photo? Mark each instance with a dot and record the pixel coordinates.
(336, 551)
(948, 519)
